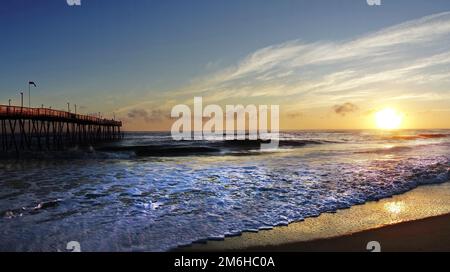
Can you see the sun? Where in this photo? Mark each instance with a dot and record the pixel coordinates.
(388, 119)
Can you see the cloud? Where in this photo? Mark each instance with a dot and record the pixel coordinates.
(294, 115)
(345, 108)
(148, 116)
(405, 63)
(319, 73)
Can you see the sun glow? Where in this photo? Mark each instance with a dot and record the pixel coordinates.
(395, 207)
(388, 119)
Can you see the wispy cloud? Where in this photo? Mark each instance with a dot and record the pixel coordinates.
(402, 62)
(400, 54)
(147, 116)
(345, 108)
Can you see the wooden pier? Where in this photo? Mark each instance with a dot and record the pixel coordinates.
(47, 129)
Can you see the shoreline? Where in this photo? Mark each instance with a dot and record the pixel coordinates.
(430, 234)
(418, 220)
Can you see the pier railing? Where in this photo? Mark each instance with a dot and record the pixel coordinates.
(44, 113)
(23, 128)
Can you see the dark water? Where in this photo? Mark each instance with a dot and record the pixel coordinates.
(150, 193)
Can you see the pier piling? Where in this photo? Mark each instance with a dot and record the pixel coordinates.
(47, 129)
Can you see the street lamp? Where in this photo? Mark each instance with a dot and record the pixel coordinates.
(29, 92)
(21, 99)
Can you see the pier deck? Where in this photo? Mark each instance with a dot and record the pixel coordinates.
(25, 128)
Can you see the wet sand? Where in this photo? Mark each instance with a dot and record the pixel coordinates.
(418, 220)
(424, 235)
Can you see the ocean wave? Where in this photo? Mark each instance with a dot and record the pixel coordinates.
(162, 151)
(19, 212)
(418, 136)
(386, 150)
(191, 148)
(146, 147)
(159, 204)
(401, 148)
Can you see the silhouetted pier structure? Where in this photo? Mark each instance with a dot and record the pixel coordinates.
(25, 128)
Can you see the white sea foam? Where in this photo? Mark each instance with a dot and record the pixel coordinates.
(158, 202)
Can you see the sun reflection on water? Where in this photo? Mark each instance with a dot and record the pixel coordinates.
(395, 207)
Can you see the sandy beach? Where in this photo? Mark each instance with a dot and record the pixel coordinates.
(428, 235)
(418, 220)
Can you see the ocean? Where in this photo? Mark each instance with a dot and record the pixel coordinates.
(150, 193)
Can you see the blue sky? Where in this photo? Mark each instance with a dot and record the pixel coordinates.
(112, 56)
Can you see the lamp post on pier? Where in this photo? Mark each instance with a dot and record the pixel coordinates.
(21, 102)
(29, 92)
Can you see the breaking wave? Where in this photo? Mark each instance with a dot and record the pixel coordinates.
(176, 197)
(190, 148)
